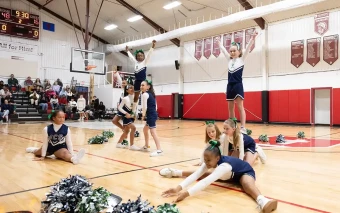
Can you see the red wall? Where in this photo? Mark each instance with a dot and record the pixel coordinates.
(214, 106)
(336, 106)
(291, 106)
(164, 105)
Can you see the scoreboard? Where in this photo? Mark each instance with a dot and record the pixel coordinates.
(19, 24)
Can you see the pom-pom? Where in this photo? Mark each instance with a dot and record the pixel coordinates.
(108, 134)
(263, 138)
(249, 131)
(168, 208)
(65, 195)
(136, 134)
(97, 140)
(125, 142)
(94, 201)
(280, 139)
(134, 206)
(301, 134)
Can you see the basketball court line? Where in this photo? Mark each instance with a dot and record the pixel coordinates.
(152, 168)
(106, 175)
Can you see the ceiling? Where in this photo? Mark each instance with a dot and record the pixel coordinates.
(191, 11)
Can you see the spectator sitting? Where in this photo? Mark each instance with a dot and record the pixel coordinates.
(34, 97)
(54, 102)
(13, 82)
(62, 102)
(101, 110)
(56, 87)
(13, 107)
(43, 103)
(5, 94)
(60, 84)
(73, 105)
(37, 84)
(28, 85)
(1, 85)
(47, 84)
(81, 103)
(63, 92)
(5, 108)
(49, 93)
(69, 94)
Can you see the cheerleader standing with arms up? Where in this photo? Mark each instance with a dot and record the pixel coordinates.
(141, 62)
(235, 92)
(57, 141)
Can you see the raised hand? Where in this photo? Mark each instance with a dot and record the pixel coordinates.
(153, 43)
(127, 49)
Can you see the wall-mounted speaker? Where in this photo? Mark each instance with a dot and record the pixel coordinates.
(177, 65)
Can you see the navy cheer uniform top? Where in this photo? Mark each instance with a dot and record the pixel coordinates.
(57, 138)
(239, 167)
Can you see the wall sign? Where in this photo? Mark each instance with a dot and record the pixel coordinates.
(297, 48)
(313, 51)
(18, 47)
(321, 23)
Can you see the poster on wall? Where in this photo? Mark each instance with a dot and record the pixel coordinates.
(207, 47)
(238, 37)
(297, 48)
(330, 48)
(313, 51)
(198, 49)
(249, 33)
(227, 41)
(321, 23)
(216, 49)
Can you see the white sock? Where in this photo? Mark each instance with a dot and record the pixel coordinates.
(262, 201)
(178, 173)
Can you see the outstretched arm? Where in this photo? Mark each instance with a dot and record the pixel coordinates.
(131, 57)
(45, 143)
(147, 57)
(251, 42)
(224, 51)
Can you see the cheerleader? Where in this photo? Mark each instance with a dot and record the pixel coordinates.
(123, 84)
(244, 147)
(141, 62)
(225, 168)
(212, 132)
(125, 111)
(235, 91)
(57, 141)
(149, 110)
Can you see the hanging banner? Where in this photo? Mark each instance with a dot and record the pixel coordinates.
(330, 48)
(227, 41)
(249, 33)
(313, 51)
(238, 37)
(198, 49)
(321, 23)
(297, 48)
(207, 47)
(216, 49)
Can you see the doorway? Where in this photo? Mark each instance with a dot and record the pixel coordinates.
(322, 106)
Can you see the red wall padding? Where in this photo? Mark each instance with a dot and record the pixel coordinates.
(291, 106)
(336, 106)
(214, 106)
(164, 105)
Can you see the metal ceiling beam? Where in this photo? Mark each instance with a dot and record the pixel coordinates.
(70, 23)
(47, 2)
(176, 41)
(247, 6)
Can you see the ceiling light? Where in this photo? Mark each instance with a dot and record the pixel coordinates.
(135, 18)
(110, 27)
(172, 5)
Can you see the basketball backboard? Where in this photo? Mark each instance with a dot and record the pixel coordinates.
(87, 61)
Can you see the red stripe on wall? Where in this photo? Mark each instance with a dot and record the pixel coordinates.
(336, 106)
(291, 106)
(214, 106)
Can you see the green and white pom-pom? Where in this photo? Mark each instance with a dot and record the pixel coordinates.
(249, 131)
(95, 201)
(125, 142)
(108, 134)
(264, 138)
(168, 208)
(98, 139)
(301, 134)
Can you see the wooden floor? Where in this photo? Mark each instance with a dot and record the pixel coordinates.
(303, 176)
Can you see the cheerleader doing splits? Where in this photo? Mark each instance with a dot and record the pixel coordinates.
(226, 168)
(235, 91)
(141, 62)
(57, 141)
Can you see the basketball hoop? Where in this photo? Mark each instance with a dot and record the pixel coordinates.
(90, 67)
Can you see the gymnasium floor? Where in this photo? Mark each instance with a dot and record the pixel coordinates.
(304, 176)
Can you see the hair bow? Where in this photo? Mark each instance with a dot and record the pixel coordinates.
(138, 51)
(237, 44)
(129, 81)
(50, 115)
(149, 82)
(209, 122)
(213, 144)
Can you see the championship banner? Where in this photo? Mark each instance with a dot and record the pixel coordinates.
(297, 48)
(216, 49)
(249, 33)
(198, 49)
(313, 51)
(321, 23)
(238, 38)
(207, 47)
(330, 48)
(227, 41)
